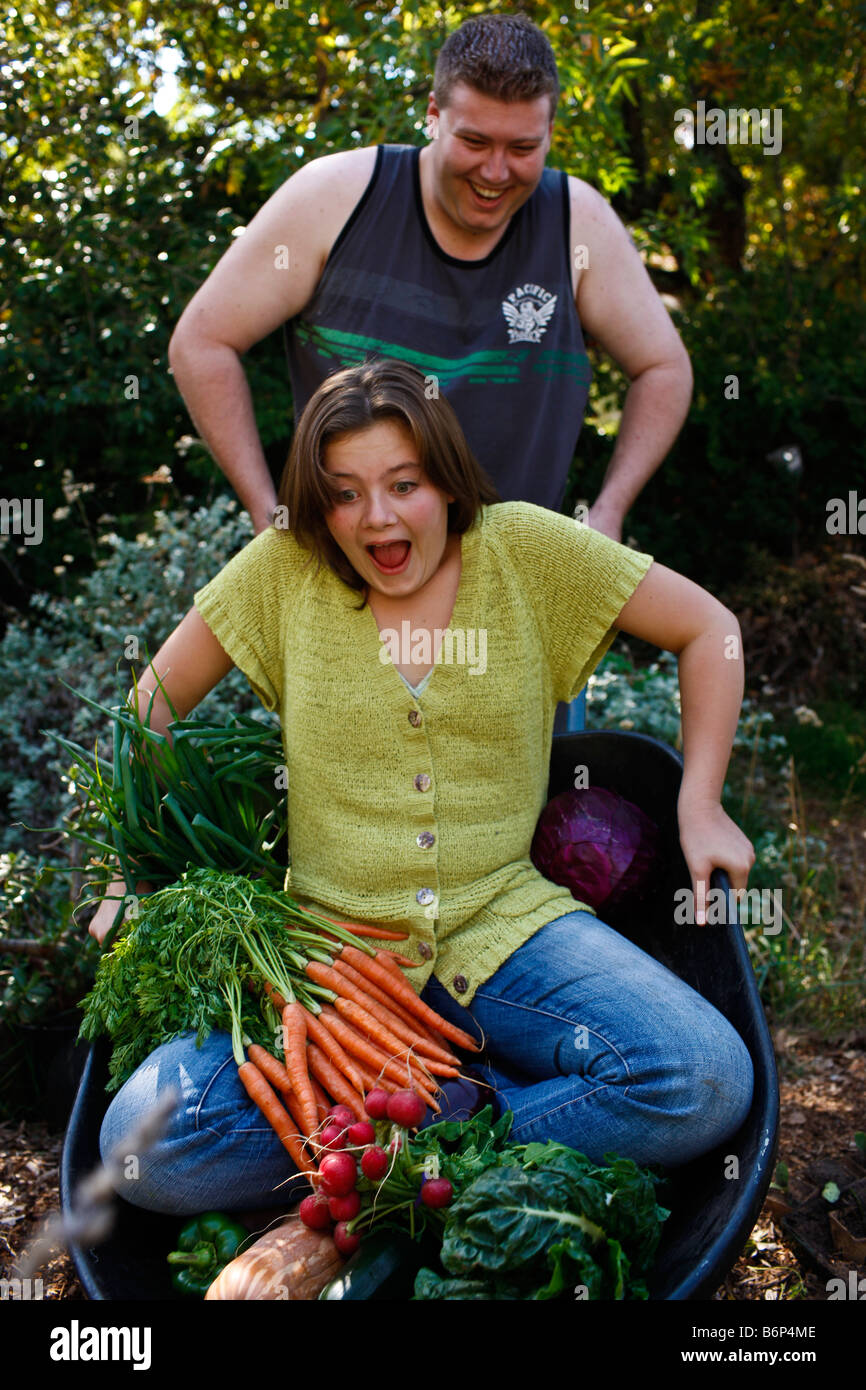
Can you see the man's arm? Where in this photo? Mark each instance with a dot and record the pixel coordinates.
(252, 290)
(619, 306)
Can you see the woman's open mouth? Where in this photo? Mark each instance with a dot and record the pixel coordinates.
(392, 557)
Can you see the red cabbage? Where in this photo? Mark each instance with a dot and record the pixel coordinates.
(604, 849)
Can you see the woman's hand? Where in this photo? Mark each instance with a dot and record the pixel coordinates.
(103, 917)
(710, 840)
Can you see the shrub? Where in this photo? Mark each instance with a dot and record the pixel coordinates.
(140, 591)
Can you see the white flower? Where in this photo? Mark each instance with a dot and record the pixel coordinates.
(804, 715)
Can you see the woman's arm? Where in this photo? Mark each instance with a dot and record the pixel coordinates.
(189, 664)
(671, 612)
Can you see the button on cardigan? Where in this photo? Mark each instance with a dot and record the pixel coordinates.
(418, 811)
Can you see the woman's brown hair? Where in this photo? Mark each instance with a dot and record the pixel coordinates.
(351, 400)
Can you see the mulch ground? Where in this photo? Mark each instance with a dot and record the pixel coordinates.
(791, 1252)
(29, 1190)
(823, 1094)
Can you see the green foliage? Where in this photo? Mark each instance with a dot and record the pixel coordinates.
(45, 968)
(35, 907)
(139, 589)
(116, 214)
(810, 971)
(828, 742)
(544, 1220)
(646, 699)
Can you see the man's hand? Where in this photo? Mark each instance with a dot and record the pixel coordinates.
(263, 516)
(603, 519)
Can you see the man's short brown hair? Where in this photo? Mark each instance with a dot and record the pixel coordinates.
(503, 56)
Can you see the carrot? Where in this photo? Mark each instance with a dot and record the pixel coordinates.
(334, 1082)
(382, 1036)
(379, 1023)
(357, 928)
(373, 1080)
(408, 1034)
(262, 1093)
(270, 1067)
(400, 1071)
(343, 968)
(275, 997)
(394, 957)
(294, 1040)
(274, 1072)
(365, 1050)
(290, 1101)
(331, 979)
(376, 1031)
(364, 929)
(393, 982)
(319, 1034)
(323, 1100)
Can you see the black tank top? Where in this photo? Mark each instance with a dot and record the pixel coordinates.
(500, 335)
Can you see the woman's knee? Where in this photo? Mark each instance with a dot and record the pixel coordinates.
(215, 1149)
(708, 1086)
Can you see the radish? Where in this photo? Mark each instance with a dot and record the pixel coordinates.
(333, 1137)
(361, 1133)
(344, 1208)
(337, 1174)
(341, 1115)
(437, 1192)
(374, 1163)
(376, 1103)
(345, 1241)
(406, 1108)
(314, 1212)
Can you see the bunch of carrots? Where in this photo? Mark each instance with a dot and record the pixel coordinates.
(361, 1027)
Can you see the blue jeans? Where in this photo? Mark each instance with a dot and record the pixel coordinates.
(589, 1040)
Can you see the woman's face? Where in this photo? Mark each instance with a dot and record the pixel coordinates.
(389, 520)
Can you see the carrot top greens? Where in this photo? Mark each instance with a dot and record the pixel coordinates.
(169, 972)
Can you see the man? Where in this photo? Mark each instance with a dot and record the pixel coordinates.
(469, 259)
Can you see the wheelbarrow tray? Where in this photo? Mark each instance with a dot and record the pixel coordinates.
(714, 1200)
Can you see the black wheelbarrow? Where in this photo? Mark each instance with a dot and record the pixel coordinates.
(713, 1208)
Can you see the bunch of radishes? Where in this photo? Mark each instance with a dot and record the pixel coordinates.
(337, 1201)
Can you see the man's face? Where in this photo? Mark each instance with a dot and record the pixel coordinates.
(487, 155)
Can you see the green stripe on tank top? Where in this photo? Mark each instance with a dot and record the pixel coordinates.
(499, 365)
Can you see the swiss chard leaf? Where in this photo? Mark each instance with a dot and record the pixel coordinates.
(429, 1285)
(507, 1218)
(573, 1273)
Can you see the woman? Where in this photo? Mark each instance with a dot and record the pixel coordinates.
(414, 792)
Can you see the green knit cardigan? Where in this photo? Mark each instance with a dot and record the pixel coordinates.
(419, 812)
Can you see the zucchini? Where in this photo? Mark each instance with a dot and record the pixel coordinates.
(383, 1268)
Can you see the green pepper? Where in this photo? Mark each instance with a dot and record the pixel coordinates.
(206, 1245)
